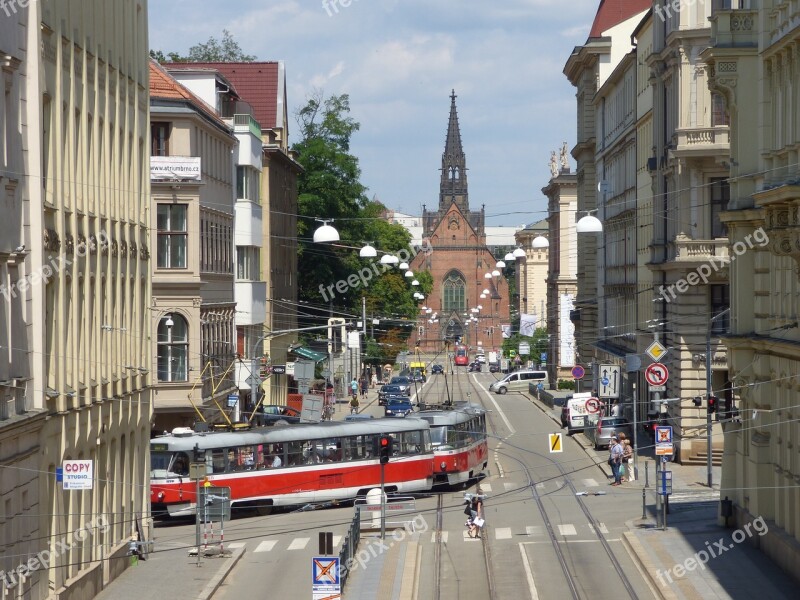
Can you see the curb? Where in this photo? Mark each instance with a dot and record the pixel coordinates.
(645, 566)
(213, 585)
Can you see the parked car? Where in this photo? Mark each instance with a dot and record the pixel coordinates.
(437, 370)
(474, 366)
(398, 407)
(404, 382)
(600, 433)
(494, 367)
(389, 390)
(518, 381)
(480, 358)
(272, 413)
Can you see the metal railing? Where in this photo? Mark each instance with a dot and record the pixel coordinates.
(349, 547)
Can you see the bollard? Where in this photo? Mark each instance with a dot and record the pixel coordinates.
(644, 505)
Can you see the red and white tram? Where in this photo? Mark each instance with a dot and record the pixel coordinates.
(461, 356)
(459, 443)
(291, 465)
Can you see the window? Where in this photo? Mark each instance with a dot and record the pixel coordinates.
(247, 183)
(719, 114)
(171, 224)
(173, 349)
(248, 263)
(720, 196)
(720, 301)
(159, 139)
(454, 292)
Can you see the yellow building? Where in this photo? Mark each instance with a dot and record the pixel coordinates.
(752, 63)
(81, 272)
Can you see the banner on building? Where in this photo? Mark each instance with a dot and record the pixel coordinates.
(566, 332)
(527, 324)
(506, 328)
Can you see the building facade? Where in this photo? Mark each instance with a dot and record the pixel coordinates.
(75, 261)
(531, 273)
(562, 277)
(690, 190)
(193, 194)
(462, 267)
(753, 64)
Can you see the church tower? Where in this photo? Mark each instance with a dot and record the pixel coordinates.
(453, 186)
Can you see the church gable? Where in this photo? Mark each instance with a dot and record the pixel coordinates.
(454, 229)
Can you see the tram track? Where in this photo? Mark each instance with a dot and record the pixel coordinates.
(556, 544)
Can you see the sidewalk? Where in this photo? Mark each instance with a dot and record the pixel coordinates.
(171, 573)
(694, 558)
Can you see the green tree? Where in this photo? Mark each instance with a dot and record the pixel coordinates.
(538, 343)
(225, 50)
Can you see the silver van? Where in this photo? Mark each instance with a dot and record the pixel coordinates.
(518, 381)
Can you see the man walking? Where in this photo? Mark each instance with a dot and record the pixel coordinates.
(615, 459)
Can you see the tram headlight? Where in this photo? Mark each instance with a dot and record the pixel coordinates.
(443, 466)
(160, 496)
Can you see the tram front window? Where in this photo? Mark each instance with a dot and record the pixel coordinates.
(159, 463)
(180, 464)
(439, 437)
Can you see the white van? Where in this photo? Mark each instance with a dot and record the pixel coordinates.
(577, 416)
(518, 381)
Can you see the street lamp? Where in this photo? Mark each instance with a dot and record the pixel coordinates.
(589, 224)
(325, 233)
(368, 252)
(540, 242)
(389, 259)
(518, 253)
(709, 461)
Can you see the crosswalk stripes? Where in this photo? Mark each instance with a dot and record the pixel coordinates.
(502, 533)
(534, 530)
(566, 529)
(298, 543)
(266, 546)
(589, 483)
(235, 545)
(486, 487)
(510, 485)
(336, 540)
(444, 537)
(602, 528)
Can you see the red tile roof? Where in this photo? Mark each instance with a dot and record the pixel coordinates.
(614, 12)
(164, 86)
(255, 82)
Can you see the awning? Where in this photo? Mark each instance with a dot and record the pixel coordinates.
(310, 354)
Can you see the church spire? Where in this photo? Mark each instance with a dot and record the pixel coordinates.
(453, 186)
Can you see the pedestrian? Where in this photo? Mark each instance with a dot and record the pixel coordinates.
(476, 520)
(616, 410)
(374, 380)
(615, 452)
(354, 388)
(364, 386)
(627, 457)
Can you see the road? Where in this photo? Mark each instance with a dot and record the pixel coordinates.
(539, 543)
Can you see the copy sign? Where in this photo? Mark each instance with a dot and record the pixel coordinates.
(78, 474)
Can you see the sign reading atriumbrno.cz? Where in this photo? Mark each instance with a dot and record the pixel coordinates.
(77, 474)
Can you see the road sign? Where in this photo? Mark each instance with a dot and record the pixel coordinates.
(253, 381)
(664, 446)
(593, 405)
(656, 374)
(233, 400)
(656, 351)
(556, 442)
(578, 372)
(77, 474)
(325, 582)
(658, 388)
(665, 489)
(215, 503)
(524, 348)
(609, 378)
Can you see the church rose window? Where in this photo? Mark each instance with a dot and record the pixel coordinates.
(454, 292)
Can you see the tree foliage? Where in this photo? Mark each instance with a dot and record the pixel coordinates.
(225, 50)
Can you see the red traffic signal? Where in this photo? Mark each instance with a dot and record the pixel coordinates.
(712, 404)
(385, 445)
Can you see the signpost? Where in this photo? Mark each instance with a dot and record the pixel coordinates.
(325, 582)
(609, 381)
(556, 442)
(656, 374)
(656, 351)
(664, 445)
(524, 348)
(77, 474)
(578, 372)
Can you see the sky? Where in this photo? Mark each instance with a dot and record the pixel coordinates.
(399, 60)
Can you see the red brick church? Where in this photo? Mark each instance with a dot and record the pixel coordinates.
(459, 262)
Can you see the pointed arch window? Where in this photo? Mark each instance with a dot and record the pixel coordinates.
(454, 292)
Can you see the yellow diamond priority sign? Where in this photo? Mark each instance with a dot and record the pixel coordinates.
(556, 442)
(656, 351)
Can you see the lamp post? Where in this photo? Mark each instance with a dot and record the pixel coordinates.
(709, 458)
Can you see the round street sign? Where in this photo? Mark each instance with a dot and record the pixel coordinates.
(656, 374)
(578, 372)
(593, 405)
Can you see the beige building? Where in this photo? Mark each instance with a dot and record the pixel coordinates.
(75, 246)
(193, 308)
(752, 63)
(531, 272)
(690, 190)
(562, 276)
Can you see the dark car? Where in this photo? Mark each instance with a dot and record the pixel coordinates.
(474, 366)
(404, 382)
(398, 407)
(272, 413)
(494, 367)
(437, 370)
(389, 390)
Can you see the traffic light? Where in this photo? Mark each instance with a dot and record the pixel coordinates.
(385, 445)
(728, 407)
(712, 404)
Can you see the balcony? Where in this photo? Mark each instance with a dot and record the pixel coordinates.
(699, 142)
(245, 124)
(781, 210)
(251, 302)
(686, 250)
(734, 28)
